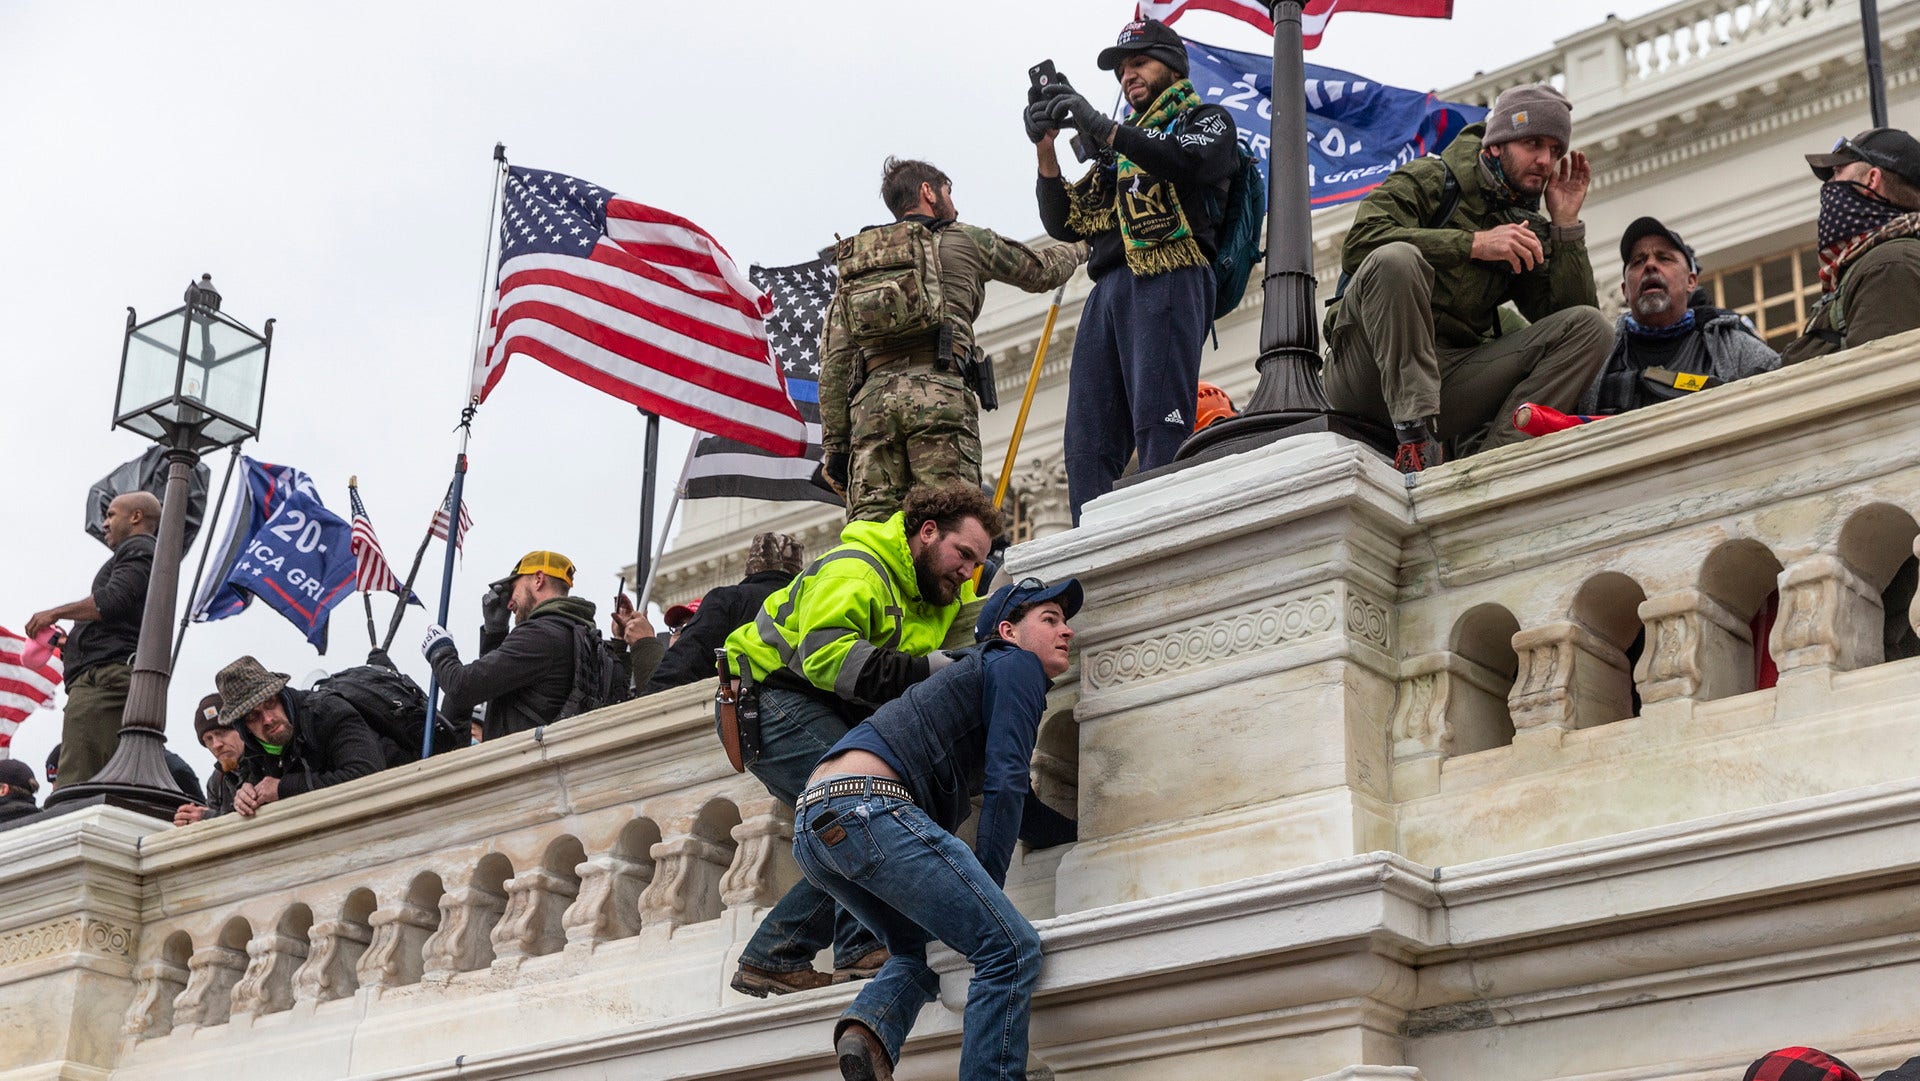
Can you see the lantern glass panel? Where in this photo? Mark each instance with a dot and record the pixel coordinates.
(153, 363)
(225, 369)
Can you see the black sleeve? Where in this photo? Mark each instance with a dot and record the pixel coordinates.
(690, 660)
(124, 596)
(346, 749)
(1054, 205)
(887, 674)
(525, 654)
(1043, 827)
(1203, 149)
(183, 777)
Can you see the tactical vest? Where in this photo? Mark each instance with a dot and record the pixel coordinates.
(890, 286)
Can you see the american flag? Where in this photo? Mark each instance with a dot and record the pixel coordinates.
(22, 689)
(727, 467)
(439, 526)
(1313, 15)
(636, 302)
(371, 573)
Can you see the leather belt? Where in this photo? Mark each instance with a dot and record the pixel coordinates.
(852, 786)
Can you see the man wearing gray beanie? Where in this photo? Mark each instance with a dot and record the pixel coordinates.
(1416, 338)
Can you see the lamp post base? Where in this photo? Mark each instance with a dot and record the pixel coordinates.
(136, 778)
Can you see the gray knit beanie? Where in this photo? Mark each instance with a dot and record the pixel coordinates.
(1527, 111)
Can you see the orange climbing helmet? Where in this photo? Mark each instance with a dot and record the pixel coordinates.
(1213, 404)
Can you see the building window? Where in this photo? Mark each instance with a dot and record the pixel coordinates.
(1777, 292)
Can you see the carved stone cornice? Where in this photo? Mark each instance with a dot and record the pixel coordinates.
(88, 933)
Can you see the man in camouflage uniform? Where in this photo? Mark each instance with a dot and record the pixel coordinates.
(902, 418)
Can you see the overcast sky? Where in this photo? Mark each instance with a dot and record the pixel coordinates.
(329, 164)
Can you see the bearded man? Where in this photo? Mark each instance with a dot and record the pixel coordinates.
(1417, 340)
(853, 631)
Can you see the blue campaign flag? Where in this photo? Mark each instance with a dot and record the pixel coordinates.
(1358, 131)
(286, 548)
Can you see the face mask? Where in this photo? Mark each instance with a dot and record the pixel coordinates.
(1849, 210)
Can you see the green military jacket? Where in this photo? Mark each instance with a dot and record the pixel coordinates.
(1467, 294)
(970, 257)
(1878, 296)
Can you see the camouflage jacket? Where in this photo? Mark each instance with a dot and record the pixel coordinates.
(969, 258)
(1467, 294)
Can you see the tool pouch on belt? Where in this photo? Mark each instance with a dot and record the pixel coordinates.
(977, 369)
(736, 715)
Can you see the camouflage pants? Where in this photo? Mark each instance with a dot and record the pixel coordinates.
(910, 428)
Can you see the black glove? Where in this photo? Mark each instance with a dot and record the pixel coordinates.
(1070, 110)
(1039, 121)
(494, 612)
(834, 468)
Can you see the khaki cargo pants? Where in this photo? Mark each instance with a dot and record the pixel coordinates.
(90, 728)
(1382, 362)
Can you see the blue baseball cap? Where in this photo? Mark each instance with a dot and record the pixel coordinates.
(1066, 592)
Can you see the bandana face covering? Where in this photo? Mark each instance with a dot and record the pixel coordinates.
(1848, 210)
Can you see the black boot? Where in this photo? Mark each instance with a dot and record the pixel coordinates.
(1419, 448)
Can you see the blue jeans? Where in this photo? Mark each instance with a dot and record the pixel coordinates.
(796, 732)
(886, 862)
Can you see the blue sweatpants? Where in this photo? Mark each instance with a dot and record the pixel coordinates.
(1136, 373)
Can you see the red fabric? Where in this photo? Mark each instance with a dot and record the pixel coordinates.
(1799, 1064)
(1539, 420)
(1765, 672)
(1313, 15)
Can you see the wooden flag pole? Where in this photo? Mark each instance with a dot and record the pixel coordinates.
(1026, 406)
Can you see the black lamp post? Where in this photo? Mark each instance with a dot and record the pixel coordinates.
(1288, 400)
(193, 380)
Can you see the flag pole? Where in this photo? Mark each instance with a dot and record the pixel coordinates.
(660, 546)
(366, 598)
(206, 548)
(643, 557)
(406, 590)
(1876, 74)
(1026, 401)
(456, 496)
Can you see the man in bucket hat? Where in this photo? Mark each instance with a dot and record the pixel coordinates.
(298, 741)
(549, 666)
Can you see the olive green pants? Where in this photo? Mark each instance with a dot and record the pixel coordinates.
(1382, 362)
(90, 728)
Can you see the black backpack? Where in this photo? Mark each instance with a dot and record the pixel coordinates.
(595, 675)
(394, 706)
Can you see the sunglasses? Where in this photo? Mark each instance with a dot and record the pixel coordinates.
(1025, 587)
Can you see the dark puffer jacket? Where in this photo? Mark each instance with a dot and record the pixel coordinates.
(525, 677)
(17, 803)
(330, 745)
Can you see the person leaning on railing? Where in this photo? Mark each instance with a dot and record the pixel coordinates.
(1869, 232)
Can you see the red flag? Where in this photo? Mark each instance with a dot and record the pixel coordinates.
(1313, 16)
(639, 303)
(23, 689)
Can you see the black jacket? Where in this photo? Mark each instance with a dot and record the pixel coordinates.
(120, 592)
(524, 677)
(330, 745)
(183, 777)
(17, 804)
(221, 788)
(1197, 152)
(722, 611)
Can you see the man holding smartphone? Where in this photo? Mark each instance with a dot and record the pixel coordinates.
(549, 666)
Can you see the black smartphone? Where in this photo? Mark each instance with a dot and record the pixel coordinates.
(1042, 75)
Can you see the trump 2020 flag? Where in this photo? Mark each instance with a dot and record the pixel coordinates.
(287, 549)
(1358, 131)
(636, 302)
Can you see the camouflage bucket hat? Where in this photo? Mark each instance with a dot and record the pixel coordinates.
(775, 552)
(245, 685)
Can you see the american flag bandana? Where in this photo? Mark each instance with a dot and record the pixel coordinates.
(1849, 215)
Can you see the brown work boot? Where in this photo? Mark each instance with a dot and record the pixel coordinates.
(1418, 448)
(760, 983)
(862, 1056)
(864, 968)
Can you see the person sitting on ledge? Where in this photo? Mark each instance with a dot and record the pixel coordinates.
(874, 829)
(1671, 341)
(299, 741)
(1869, 232)
(1416, 340)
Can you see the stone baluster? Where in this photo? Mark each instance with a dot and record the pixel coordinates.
(160, 984)
(608, 904)
(1569, 678)
(1830, 618)
(762, 866)
(267, 986)
(335, 948)
(395, 956)
(464, 941)
(1696, 650)
(530, 925)
(208, 998)
(686, 878)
